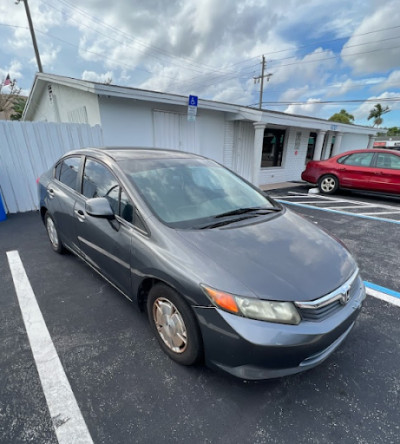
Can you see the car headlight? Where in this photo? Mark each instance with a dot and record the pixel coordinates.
(271, 311)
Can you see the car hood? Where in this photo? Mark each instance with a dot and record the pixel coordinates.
(283, 258)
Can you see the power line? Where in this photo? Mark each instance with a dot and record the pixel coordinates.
(162, 52)
(224, 76)
(335, 102)
(85, 13)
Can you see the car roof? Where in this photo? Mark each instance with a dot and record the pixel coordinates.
(367, 150)
(121, 153)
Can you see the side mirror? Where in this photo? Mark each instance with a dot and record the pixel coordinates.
(99, 207)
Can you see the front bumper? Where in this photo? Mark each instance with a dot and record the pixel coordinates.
(251, 349)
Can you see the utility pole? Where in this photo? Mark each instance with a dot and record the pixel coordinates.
(35, 47)
(262, 77)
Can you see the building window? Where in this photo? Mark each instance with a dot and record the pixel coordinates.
(312, 139)
(272, 151)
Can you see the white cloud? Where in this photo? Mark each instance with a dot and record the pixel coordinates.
(375, 51)
(311, 108)
(106, 77)
(213, 49)
(14, 69)
(313, 67)
(362, 112)
(393, 81)
(49, 56)
(294, 94)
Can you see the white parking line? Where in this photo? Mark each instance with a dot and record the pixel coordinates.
(368, 210)
(383, 296)
(68, 422)
(343, 207)
(311, 202)
(335, 199)
(377, 213)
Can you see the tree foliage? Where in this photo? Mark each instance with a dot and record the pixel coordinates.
(18, 108)
(377, 112)
(342, 117)
(393, 131)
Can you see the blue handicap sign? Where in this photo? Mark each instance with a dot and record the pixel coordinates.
(193, 100)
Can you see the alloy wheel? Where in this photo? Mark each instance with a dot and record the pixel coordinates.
(52, 232)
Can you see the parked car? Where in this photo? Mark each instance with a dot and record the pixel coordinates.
(369, 169)
(224, 272)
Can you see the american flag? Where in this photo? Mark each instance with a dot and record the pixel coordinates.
(7, 81)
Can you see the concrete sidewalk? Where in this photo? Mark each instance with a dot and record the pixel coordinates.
(281, 185)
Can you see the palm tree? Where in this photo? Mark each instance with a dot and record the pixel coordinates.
(376, 113)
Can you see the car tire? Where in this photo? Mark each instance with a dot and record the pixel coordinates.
(52, 232)
(174, 324)
(328, 184)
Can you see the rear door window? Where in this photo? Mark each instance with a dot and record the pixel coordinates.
(391, 161)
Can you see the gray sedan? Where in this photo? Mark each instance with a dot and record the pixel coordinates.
(225, 274)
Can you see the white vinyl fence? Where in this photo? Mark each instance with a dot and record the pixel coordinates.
(27, 149)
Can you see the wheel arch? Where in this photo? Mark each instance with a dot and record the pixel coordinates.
(147, 284)
(186, 289)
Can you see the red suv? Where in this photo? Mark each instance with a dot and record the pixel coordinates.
(369, 169)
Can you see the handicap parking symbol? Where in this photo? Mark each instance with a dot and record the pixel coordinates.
(193, 100)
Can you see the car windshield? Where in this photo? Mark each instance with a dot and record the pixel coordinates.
(184, 193)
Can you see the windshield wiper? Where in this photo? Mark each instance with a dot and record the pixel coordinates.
(258, 210)
(221, 223)
(247, 213)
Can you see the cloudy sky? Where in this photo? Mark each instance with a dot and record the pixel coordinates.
(324, 55)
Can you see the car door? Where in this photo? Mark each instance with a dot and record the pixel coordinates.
(356, 171)
(61, 197)
(387, 172)
(104, 243)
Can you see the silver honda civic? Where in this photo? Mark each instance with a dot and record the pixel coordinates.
(226, 274)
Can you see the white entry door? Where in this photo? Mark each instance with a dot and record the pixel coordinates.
(173, 131)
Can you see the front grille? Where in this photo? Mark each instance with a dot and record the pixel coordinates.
(320, 313)
(331, 303)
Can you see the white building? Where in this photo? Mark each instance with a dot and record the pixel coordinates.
(262, 146)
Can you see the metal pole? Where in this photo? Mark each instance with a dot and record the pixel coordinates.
(35, 47)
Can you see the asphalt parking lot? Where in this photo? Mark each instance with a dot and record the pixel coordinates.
(129, 391)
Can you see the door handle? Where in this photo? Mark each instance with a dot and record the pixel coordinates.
(50, 192)
(80, 215)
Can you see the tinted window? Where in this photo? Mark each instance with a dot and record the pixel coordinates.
(69, 171)
(98, 181)
(384, 160)
(126, 207)
(358, 159)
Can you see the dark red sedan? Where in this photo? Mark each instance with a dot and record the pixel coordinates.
(369, 169)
